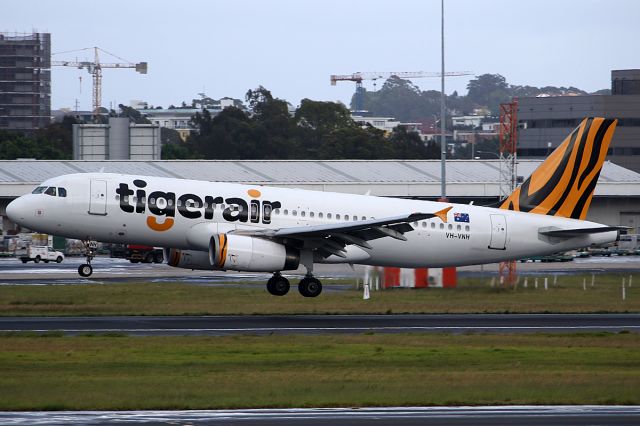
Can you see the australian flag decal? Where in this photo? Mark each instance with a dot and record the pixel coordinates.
(461, 217)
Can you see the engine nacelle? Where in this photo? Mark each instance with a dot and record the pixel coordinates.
(188, 259)
(250, 254)
(237, 253)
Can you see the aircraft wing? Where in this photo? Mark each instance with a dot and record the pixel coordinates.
(332, 238)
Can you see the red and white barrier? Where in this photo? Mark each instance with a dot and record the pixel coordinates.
(418, 278)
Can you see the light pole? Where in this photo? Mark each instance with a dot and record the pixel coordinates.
(443, 141)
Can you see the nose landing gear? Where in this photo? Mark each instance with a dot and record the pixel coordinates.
(90, 247)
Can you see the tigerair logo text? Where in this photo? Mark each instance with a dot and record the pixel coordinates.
(162, 206)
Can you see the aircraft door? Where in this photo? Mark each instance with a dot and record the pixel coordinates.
(98, 200)
(498, 232)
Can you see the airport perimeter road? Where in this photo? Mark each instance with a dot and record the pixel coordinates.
(314, 324)
(401, 416)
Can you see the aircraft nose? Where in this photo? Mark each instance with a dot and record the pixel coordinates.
(16, 210)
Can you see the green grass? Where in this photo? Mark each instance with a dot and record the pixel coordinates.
(122, 373)
(472, 295)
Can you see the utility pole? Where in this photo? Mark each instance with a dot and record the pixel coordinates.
(443, 140)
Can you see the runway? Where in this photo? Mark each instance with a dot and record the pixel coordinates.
(401, 416)
(327, 324)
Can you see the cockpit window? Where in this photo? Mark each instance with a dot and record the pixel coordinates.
(62, 192)
(51, 191)
(39, 190)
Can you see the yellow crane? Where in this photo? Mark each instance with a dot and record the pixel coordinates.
(95, 69)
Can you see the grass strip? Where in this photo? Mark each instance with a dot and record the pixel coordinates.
(128, 373)
(471, 296)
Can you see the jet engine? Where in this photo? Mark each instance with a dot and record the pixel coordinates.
(237, 253)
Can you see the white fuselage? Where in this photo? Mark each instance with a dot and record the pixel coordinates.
(472, 234)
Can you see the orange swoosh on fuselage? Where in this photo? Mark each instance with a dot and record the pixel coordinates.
(160, 227)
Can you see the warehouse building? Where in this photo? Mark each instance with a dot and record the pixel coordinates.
(616, 200)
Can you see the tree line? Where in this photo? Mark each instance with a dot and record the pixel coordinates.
(317, 130)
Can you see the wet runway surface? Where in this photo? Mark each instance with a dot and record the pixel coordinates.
(325, 324)
(110, 270)
(401, 416)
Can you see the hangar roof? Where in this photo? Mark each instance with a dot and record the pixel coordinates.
(405, 178)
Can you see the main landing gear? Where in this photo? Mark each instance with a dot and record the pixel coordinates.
(309, 286)
(90, 247)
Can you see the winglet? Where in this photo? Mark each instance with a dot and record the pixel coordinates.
(442, 214)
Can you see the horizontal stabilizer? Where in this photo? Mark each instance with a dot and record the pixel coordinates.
(578, 232)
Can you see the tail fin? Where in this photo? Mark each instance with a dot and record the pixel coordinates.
(563, 184)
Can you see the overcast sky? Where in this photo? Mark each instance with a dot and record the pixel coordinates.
(291, 47)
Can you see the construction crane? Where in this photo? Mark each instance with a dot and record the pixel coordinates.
(360, 76)
(95, 69)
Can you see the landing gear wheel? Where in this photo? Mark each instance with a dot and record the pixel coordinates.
(310, 286)
(278, 285)
(90, 247)
(85, 270)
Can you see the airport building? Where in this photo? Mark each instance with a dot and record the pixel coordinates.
(616, 200)
(118, 140)
(546, 121)
(25, 81)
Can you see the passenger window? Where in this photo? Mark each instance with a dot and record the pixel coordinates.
(267, 210)
(311, 214)
(458, 227)
(286, 212)
(320, 215)
(51, 191)
(442, 226)
(466, 228)
(355, 218)
(117, 197)
(152, 200)
(277, 211)
(450, 227)
(169, 202)
(62, 192)
(424, 224)
(346, 217)
(433, 224)
(254, 210)
(39, 190)
(302, 213)
(328, 215)
(364, 218)
(294, 212)
(337, 217)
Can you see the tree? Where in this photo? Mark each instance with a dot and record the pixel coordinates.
(409, 145)
(489, 90)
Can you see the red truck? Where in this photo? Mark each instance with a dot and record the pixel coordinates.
(145, 254)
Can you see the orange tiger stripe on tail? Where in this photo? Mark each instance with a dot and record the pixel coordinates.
(563, 184)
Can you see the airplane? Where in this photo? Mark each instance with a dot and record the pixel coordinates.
(223, 226)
